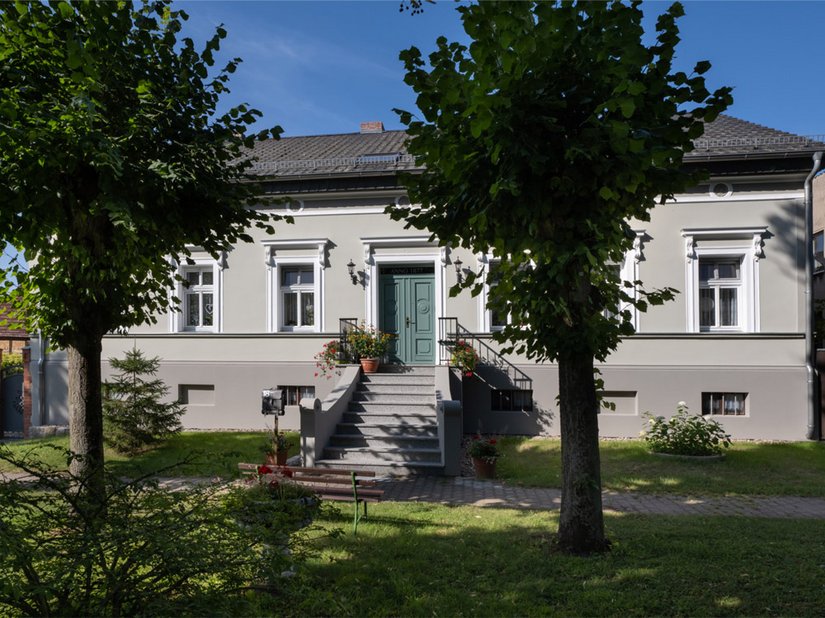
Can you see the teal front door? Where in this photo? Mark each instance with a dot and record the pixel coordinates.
(406, 302)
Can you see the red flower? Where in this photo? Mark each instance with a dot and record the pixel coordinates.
(492, 440)
(264, 470)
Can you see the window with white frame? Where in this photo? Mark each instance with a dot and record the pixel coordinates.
(199, 298)
(722, 279)
(297, 295)
(497, 320)
(720, 288)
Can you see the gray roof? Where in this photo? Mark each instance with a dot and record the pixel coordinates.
(730, 137)
(343, 153)
(347, 154)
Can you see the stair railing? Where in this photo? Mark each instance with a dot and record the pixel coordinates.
(346, 354)
(451, 332)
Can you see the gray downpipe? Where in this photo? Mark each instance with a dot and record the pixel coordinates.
(814, 429)
(41, 382)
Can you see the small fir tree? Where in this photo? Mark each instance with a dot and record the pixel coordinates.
(134, 415)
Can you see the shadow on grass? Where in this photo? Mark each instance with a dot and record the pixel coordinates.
(467, 561)
(202, 454)
(751, 468)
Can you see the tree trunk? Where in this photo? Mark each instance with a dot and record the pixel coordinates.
(86, 414)
(581, 523)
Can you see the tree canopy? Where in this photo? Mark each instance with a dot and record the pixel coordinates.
(114, 164)
(542, 141)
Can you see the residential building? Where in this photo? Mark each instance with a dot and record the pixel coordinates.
(732, 345)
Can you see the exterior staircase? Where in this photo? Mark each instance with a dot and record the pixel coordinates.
(391, 426)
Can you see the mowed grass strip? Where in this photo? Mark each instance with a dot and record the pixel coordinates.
(207, 454)
(417, 559)
(749, 468)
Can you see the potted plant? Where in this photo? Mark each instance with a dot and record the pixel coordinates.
(277, 449)
(327, 360)
(369, 345)
(465, 358)
(485, 453)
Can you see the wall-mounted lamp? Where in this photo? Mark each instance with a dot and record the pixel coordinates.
(351, 271)
(459, 274)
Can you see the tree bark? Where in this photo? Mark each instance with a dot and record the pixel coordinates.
(86, 414)
(581, 523)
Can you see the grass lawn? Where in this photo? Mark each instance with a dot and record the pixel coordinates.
(211, 453)
(412, 559)
(796, 468)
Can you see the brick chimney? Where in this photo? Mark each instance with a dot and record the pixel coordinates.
(373, 126)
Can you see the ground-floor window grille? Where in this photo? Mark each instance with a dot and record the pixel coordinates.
(724, 404)
(511, 400)
(292, 395)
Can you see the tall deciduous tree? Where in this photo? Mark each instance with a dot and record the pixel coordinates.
(541, 141)
(113, 164)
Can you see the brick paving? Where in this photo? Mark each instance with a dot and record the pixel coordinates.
(464, 490)
(474, 492)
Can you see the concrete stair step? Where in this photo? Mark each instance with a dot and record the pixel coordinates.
(429, 430)
(351, 441)
(383, 454)
(405, 370)
(393, 408)
(403, 388)
(393, 398)
(397, 378)
(399, 419)
(384, 468)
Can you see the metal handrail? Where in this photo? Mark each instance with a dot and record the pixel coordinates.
(450, 332)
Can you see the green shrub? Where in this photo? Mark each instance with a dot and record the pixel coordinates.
(12, 364)
(685, 434)
(142, 551)
(134, 415)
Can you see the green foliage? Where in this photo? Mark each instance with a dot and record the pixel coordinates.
(134, 415)
(368, 342)
(142, 551)
(685, 434)
(464, 357)
(542, 141)
(12, 364)
(113, 160)
(484, 448)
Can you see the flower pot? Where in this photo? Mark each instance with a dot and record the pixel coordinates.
(270, 459)
(281, 457)
(369, 365)
(485, 468)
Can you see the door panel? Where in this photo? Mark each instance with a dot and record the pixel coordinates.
(406, 311)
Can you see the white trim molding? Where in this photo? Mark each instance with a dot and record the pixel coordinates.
(314, 255)
(744, 196)
(744, 243)
(402, 250)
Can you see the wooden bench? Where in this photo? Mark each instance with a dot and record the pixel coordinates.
(357, 486)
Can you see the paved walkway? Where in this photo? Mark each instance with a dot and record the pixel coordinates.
(470, 491)
(464, 490)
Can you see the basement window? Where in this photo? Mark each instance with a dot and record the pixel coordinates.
(724, 404)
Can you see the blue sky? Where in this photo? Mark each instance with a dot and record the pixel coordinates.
(323, 67)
